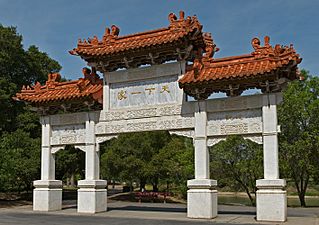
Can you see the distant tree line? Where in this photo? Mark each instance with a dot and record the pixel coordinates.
(162, 160)
(20, 130)
(149, 158)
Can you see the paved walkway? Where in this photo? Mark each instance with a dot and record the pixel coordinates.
(127, 213)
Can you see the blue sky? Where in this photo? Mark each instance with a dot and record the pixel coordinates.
(55, 26)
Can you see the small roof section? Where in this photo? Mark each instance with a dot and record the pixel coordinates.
(68, 96)
(175, 42)
(266, 68)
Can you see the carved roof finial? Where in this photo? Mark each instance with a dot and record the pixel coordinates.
(95, 40)
(267, 39)
(115, 30)
(107, 31)
(37, 86)
(172, 17)
(54, 77)
(255, 42)
(181, 15)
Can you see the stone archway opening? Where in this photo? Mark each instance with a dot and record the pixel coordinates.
(149, 162)
(69, 168)
(236, 163)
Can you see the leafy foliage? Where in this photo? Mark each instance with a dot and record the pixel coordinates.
(19, 127)
(239, 160)
(70, 165)
(20, 161)
(299, 141)
(19, 67)
(148, 156)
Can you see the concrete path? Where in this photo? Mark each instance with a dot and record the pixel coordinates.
(127, 213)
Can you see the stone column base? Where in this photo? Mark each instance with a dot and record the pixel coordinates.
(47, 195)
(271, 200)
(202, 199)
(92, 196)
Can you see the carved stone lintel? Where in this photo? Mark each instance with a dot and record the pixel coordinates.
(101, 139)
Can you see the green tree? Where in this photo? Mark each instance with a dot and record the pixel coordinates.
(129, 157)
(19, 67)
(19, 162)
(155, 157)
(70, 165)
(19, 127)
(239, 161)
(174, 164)
(299, 140)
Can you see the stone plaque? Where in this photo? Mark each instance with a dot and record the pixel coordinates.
(161, 90)
(234, 122)
(69, 134)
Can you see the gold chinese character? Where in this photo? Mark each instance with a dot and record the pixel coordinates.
(136, 93)
(121, 95)
(165, 88)
(149, 90)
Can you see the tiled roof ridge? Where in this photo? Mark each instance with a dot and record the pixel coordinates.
(119, 38)
(263, 59)
(57, 85)
(111, 36)
(261, 53)
(53, 90)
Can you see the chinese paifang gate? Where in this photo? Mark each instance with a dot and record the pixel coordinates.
(147, 77)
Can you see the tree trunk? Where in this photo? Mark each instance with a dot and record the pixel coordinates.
(72, 183)
(155, 184)
(142, 184)
(301, 196)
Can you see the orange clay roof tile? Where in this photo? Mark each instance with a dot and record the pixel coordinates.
(111, 43)
(54, 91)
(263, 60)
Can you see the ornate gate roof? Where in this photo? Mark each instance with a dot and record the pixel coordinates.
(267, 68)
(178, 41)
(76, 95)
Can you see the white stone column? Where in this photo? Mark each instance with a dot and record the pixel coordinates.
(47, 195)
(106, 92)
(271, 195)
(202, 195)
(92, 194)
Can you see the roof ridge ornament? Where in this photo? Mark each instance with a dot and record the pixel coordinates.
(210, 48)
(53, 79)
(110, 34)
(183, 23)
(267, 50)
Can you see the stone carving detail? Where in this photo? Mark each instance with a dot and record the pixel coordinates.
(167, 110)
(160, 90)
(211, 141)
(258, 139)
(69, 134)
(214, 141)
(240, 128)
(65, 119)
(235, 103)
(67, 139)
(164, 123)
(102, 139)
(185, 133)
(234, 122)
(55, 149)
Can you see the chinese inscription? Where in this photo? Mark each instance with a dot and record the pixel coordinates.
(161, 90)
